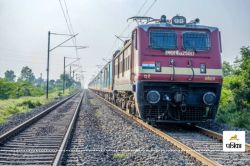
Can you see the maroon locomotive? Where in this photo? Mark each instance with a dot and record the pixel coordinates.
(169, 71)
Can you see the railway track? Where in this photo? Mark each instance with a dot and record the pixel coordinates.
(207, 145)
(104, 137)
(42, 139)
(202, 144)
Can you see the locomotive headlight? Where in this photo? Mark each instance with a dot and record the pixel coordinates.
(209, 98)
(163, 19)
(153, 96)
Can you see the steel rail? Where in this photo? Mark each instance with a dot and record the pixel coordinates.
(32, 120)
(59, 155)
(204, 160)
(217, 136)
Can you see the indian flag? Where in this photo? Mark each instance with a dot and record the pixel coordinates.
(148, 65)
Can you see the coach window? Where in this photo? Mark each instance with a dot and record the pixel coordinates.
(116, 70)
(135, 39)
(106, 76)
(126, 63)
(117, 67)
(123, 64)
(120, 65)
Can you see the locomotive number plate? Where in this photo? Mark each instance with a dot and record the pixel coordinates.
(147, 76)
(208, 78)
(180, 53)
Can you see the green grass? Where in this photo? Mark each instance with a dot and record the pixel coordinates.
(98, 114)
(120, 156)
(11, 107)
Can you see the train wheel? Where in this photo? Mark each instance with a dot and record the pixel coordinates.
(123, 105)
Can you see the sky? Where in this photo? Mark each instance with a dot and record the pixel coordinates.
(25, 24)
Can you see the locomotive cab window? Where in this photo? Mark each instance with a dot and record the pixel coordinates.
(163, 39)
(196, 41)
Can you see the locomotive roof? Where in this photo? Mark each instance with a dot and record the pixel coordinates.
(118, 52)
(145, 27)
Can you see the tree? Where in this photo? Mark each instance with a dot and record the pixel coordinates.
(52, 84)
(242, 92)
(68, 80)
(238, 81)
(27, 75)
(58, 84)
(9, 75)
(39, 82)
(227, 69)
(234, 106)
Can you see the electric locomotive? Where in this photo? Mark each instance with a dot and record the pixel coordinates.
(169, 71)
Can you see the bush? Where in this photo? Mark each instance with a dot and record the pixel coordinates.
(241, 119)
(18, 89)
(12, 110)
(29, 103)
(59, 94)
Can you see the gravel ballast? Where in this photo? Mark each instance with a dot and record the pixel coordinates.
(104, 137)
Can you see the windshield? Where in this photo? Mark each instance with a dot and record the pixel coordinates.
(163, 39)
(197, 41)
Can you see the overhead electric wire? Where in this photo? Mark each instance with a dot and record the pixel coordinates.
(67, 12)
(64, 15)
(69, 25)
(68, 22)
(150, 7)
(138, 12)
(126, 27)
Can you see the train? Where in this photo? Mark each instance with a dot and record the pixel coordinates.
(169, 71)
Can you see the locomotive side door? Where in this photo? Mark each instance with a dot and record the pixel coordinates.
(133, 49)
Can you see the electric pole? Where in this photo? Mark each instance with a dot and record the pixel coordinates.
(70, 70)
(51, 49)
(47, 87)
(64, 58)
